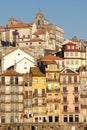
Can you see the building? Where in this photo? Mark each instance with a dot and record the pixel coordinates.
(39, 94)
(53, 92)
(70, 95)
(38, 32)
(83, 94)
(15, 58)
(11, 95)
(73, 56)
(28, 98)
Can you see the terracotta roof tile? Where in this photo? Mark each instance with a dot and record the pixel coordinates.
(70, 43)
(19, 25)
(2, 28)
(52, 57)
(11, 73)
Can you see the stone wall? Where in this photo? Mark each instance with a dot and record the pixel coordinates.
(44, 126)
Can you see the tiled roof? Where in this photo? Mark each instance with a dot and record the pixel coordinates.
(39, 32)
(11, 73)
(19, 25)
(36, 71)
(35, 40)
(52, 57)
(70, 43)
(2, 28)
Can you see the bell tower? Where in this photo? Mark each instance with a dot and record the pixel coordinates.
(39, 20)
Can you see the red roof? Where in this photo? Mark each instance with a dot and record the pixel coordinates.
(2, 28)
(52, 57)
(70, 43)
(19, 25)
(11, 73)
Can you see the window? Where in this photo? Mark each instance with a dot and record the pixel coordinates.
(76, 53)
(64, 89)
(77, 62)
(49, 97)
(26, 94)
(36, 101)
(3, 80)
(16, 80)
(2, 119)
(56, 97)
(55, 86)
(56, 107)
(67, 54)
(68, 47)
(75, 79)
(12, 119)
(43, 92)
(65, 118)
(67, 62)
(76, 108)
(26, 43)
(56, 118)
(71, 53)
(26, 84)
(35, 81)
(72, 47)
(72, 62)
(11, 80)
(18, 54)
(65, 108)
(69, 79)
(64, 99)
(43, 80)
(76, 99)
(36, 92)
(76, 118)
(49, 76)
(28, 36)
(30, 93)
(64, 79)
(75, 89)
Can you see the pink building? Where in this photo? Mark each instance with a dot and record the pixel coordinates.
(70, 95)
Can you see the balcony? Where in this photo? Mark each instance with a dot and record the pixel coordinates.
(83, 106)
(39, 95)
(53, 90)
(77, 111)
(57, 100)
(65, 111)
(28, 96)
(83, 96)
(64, 92)
(76, 102)
(65, 102)
(75, 92)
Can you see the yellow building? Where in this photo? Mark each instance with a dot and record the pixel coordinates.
(53, 92)
(39, 94)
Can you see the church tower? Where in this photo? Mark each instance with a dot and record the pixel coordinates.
(39, 20)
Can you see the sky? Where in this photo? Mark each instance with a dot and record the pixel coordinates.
(71, 15)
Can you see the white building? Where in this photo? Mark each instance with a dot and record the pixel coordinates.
(18, 60)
